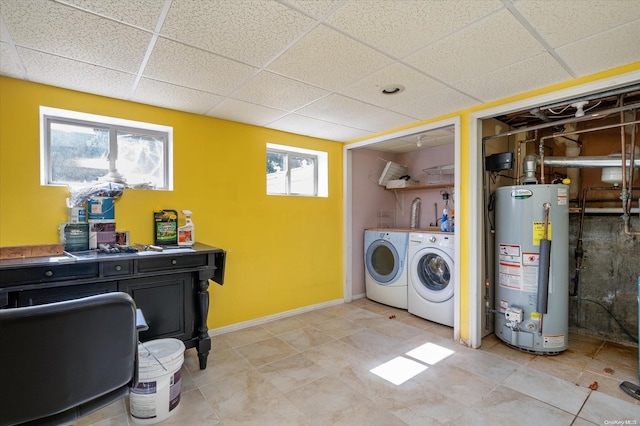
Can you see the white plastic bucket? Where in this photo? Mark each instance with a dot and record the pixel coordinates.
(157, 395)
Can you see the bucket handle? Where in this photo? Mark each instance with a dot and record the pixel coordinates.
(154, 357)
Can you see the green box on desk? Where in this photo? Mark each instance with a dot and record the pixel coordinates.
(74, 236)
(101, 209)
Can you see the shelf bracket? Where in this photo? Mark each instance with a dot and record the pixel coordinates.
(399, 203)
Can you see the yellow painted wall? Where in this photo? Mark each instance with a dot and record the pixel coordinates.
(283, 253)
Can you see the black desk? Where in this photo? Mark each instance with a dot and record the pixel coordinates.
(170, 287)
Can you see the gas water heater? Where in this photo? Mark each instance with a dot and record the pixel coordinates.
(532, 262)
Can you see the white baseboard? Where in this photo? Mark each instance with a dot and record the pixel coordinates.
(363, 295)
(269, 318)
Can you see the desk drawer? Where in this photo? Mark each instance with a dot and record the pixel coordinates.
(64, 292)
(116, 268)
(48, 273)
(172, 262)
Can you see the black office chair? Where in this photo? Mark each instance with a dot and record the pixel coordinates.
(64, 360)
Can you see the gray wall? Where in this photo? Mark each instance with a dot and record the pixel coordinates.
(608, 279)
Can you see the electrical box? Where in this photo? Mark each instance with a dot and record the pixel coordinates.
(497, 162)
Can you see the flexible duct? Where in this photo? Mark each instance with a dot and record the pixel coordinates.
(415, 213)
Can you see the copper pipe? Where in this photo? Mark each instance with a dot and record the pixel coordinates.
(586, 117)
(594, 129)
(518, 156)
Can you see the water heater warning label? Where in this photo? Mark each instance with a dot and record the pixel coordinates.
(510, 266)
(562, 195)
(518, 270)
(538, 232)
(554, 341)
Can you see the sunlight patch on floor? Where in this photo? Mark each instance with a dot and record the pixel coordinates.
(430, 353)
(401, 369)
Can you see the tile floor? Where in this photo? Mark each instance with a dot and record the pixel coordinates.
(314, 369)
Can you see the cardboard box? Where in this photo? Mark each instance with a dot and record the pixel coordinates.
(74, 236)
(101, 233)
(77, 214)
(101, 209)
(38, 250)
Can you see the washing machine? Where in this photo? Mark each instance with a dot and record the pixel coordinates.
(385, 258)
(430, 274)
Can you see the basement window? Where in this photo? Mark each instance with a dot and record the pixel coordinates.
(78, 148)
(296, 171)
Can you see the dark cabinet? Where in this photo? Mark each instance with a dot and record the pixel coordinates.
(163, 299)
(170, 287)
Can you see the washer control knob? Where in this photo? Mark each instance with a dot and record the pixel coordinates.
(432, 239)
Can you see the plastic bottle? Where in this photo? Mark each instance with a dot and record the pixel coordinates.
(452, 221)
(186, 233)
(445, 226)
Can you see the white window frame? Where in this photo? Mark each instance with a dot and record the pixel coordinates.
(321, 172)
(55, 115)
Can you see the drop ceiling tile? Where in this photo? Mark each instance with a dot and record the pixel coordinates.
(64, 31)
(141, 13)
(369, 89)
(187, 66)
(409, 144)
(436, 104)
(61, 72)
(165, 95)
(614, 48)
(244, 112)
(9, 64)
(350, 112)
(328, 59)
(540, 71)
(298, 124)
(381, 120)
(483, 47)
(249, 31)
(563, 22)
(315, 8)
(401, 27)
(279, 92)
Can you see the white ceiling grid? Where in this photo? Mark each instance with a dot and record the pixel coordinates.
(315, 67)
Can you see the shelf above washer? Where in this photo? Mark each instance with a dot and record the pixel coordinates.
(423, 187)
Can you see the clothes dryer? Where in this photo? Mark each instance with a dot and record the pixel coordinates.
(430, 276)
(385, 258)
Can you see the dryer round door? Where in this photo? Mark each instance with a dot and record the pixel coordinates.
(383, 262)
(432, 274)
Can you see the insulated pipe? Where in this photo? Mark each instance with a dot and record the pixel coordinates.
(544, 263)
(587, 162)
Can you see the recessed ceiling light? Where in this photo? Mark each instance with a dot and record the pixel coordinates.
(392, 89)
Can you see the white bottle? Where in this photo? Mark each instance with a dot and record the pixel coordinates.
(186, 233)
